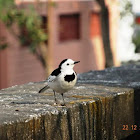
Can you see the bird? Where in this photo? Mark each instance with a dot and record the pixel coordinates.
(62, 79)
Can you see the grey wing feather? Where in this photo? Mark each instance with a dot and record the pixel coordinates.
(43, 89)
(51, 78)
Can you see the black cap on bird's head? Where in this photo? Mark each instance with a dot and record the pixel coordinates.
(67, 63)
(62, 62)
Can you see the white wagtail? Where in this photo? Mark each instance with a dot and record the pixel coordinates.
(62, 79)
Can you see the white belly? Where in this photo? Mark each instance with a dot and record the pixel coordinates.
(61, 86)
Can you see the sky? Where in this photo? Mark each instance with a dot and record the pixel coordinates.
(136, 5)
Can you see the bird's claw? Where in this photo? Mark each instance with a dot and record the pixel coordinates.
(63, 104)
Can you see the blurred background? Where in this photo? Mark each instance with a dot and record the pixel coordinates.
(36, 35)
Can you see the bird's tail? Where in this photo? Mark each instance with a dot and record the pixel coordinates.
(43, 89)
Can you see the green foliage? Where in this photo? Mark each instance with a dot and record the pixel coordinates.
(3, 46)
(126, 8)
(28, 21)
(5, 6)
(136, 41)
(31, 32)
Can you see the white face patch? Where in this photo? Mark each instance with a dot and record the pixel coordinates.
(68, 64)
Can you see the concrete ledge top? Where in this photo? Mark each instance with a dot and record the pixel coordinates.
(124, 76)
(20, 103)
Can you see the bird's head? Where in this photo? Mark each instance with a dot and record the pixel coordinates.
(67, 64)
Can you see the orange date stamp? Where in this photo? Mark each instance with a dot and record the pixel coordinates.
(130, 127)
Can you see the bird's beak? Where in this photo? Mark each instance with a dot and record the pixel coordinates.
(76, 62)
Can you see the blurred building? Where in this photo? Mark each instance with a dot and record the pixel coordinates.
(76, 34)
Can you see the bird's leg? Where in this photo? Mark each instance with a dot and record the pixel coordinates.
(63, 99)
(55, 97)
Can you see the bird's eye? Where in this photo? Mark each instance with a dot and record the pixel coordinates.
(67, 64)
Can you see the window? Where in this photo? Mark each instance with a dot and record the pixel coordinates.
(69, 28)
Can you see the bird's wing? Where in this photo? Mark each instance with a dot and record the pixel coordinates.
(51, 78)
(54, 75)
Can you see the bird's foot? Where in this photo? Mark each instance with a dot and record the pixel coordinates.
(55, 103)
(63, 104)
(59, 104)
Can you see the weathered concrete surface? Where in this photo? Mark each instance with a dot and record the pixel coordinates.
(91, 112)
(125, 76)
